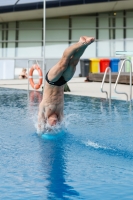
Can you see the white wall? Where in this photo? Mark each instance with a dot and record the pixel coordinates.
(129, 32)
(30, 49)
(103, 43)
(56, 37)
(6, 69)
(1, 40)
(84, 26)
(58, 33)
(11, 37)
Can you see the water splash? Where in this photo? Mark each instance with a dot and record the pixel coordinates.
(109, 150)
(95, 145)
(45, 128)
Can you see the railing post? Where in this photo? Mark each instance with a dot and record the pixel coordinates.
(107, 69)
(130, 79)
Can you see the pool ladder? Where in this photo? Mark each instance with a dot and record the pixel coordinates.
(109, 69)
(130, 79)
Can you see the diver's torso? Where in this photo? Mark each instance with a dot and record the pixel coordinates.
(53, 100)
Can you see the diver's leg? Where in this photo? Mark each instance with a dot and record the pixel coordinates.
(69, 72)
(71, 54)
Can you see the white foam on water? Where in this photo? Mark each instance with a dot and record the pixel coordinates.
(95, 145)
(45, 128)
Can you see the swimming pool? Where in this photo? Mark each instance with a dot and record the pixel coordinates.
(90, 158)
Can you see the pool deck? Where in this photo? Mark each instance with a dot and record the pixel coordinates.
(78, 86)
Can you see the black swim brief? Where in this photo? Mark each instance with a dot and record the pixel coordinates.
(60, 82)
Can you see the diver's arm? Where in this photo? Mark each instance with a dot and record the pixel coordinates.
(41, 117)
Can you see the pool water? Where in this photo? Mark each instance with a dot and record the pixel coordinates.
(90, 157)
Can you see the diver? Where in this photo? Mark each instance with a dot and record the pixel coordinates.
(51, 106)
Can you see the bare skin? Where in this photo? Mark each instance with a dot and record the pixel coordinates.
(51, 107)
(23, 74)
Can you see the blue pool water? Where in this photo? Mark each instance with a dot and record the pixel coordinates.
(90, 157)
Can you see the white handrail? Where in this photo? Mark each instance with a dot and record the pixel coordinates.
(107, 69)
(130, 79)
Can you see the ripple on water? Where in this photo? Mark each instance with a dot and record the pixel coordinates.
(88, 156)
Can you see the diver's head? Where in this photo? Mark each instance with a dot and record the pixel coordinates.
(52, 120)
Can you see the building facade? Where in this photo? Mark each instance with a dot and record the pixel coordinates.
(22, 37)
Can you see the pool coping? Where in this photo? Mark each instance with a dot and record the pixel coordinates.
(77, 85)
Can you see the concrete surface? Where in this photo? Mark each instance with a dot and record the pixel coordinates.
(77, 86)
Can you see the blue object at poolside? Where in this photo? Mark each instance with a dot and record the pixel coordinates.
(114, 64)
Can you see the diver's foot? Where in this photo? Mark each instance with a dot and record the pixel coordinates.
(86, 40)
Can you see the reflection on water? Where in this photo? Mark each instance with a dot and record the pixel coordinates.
(54, 162)
(35, 97)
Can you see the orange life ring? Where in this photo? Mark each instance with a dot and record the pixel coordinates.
(34, 85)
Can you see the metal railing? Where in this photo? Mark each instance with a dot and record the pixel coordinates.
(130, 80)
(108, 69)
